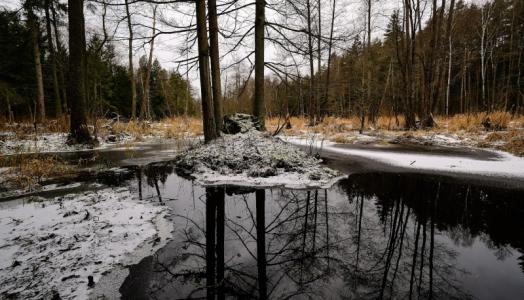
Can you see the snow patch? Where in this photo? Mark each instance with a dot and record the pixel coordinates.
(507, 166)
(52, 246)
(252, 159)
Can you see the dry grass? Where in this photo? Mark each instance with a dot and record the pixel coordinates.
(475, 122)
(511, 141)
(27, 171)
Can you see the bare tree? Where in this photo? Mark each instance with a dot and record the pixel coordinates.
(77, 64)
(215, 64)
(35, 31)
(131, 68)
(52, 57)
(259, 105)
(210, 132)
(145, 111)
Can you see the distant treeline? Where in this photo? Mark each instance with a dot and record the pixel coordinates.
(468, 59)
(107, 86)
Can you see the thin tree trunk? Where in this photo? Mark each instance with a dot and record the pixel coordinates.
(52, 56)
(131, 69)
(311, 65)
(203, 62)
(145, 112)
(59, 63)
(328, 71)
(259, 106)
(33, 25)
(319, 61)
(215, 64)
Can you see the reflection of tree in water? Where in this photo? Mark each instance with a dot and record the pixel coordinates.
(154, 173)
(376, 237)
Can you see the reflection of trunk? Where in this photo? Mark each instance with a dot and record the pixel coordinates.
(422, 252)
(158, 191)
(306, 215)
(399, 252)
(139, 175)
(432, 242)
(360, 211)
(315, 221)
(220, 241)
(414, 262)
(327, 228)
(392, 244)
(261, 243)
(210, 241)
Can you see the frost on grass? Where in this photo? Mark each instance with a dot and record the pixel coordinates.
(253, 159)
(50, 247)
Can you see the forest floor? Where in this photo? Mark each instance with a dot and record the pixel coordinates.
(50, 247)
(62, 240)
(27, 158)
(461, 131)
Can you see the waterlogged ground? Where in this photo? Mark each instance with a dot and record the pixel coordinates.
(383, 232)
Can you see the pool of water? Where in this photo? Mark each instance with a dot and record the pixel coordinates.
(372, 235)
(380, 233)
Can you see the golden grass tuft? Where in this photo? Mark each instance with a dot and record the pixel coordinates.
(27, 171)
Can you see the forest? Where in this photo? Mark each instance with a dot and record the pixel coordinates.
(261, 149)
(430, 59)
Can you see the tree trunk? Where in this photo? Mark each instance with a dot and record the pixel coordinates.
(52, 56)
(260, 19)
(59, 63)
(311, 66)
(328, 71)
(145, 111)
(203, 62)
(76, 87)
(215, 64)
(131, 68)
(319, 61)
(33, 25)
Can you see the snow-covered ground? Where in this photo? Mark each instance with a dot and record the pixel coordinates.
(506, 165)
(252, 159)
(50, 247)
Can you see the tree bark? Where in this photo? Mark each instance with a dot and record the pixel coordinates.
(76, 87)
(215, 64)
(260, 18)
(210, 132)
(311, 66)
(145, 111)
(131, 68)
(52, 56)
(328, 71)
(59, 63)
(33, 25)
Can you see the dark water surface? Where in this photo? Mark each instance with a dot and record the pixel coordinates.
(373, 235)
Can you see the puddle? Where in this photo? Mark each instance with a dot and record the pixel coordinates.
(375, 235)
